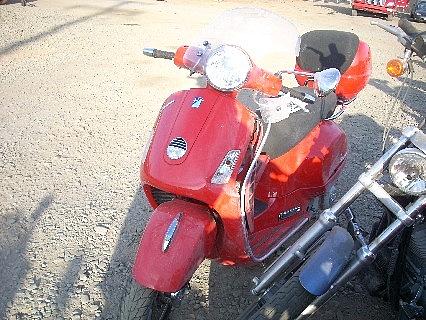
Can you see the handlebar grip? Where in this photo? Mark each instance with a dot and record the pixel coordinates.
(418, 43)
(155, 53)
(419, 47)
(407, 35)
(408, 28)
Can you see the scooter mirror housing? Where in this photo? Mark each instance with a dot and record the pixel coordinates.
(326, 81)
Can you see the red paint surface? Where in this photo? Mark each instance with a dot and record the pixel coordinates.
(302, 173)
(193, 241)
(220, 124)
(398, 5)
(354, 79)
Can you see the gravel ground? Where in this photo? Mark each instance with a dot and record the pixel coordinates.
(77, 100)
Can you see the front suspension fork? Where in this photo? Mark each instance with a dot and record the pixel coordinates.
(328, 218)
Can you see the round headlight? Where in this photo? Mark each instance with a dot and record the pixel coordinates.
(408, 171)
(227, 68)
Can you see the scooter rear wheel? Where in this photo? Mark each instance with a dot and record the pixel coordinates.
(144, 304)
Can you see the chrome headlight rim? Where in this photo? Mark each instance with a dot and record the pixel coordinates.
(402, 156)
(218, 50)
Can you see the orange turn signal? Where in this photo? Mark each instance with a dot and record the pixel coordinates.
(395, 68)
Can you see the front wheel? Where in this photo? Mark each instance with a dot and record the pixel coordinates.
(287, 303)
(144, 304)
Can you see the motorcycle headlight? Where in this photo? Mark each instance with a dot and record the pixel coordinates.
(408, 171)
(227, 68)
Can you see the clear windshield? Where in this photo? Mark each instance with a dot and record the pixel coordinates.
(271, 41)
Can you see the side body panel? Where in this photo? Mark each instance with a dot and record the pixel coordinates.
(304, 172)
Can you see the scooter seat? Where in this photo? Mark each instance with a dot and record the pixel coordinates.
(322, 49)
(287, 133)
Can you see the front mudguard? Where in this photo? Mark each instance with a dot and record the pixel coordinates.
(193, 240)
(319, 272)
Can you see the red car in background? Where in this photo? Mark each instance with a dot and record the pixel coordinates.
(388, 8)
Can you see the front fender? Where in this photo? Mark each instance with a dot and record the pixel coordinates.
(192, 241)
(327, 263)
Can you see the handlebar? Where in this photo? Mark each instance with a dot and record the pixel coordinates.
(408, 28)
(391, 29)
(403, 38)
(407, 35)
(418, 43)
(155, 53)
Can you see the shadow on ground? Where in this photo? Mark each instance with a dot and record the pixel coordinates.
(124, 253)
(346, 10)
(415, 97)
(16, 230)
(67, 286)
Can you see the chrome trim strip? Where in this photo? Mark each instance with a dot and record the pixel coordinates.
(166, 105)
(243, 190)
(168, 237)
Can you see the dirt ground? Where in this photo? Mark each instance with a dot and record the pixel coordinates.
(77, 99)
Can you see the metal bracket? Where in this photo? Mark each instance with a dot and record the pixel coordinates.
(365, 254)
(381, 194)
(328, 218)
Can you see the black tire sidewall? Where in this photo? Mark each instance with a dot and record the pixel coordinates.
(138, 302)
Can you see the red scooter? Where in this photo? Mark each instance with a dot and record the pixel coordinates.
(233, 183)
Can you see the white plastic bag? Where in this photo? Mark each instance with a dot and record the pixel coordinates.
(276, 109)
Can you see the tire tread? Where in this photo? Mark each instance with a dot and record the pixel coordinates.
(287, 303)
(137, 302)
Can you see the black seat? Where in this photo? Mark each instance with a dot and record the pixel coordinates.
(322, 49)
(287, 133)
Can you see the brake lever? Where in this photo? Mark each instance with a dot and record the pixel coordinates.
(403, 38)
(305, 97)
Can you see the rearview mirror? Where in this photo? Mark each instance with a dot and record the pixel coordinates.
(326, 81)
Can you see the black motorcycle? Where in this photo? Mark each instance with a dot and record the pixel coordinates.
(393, 258)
